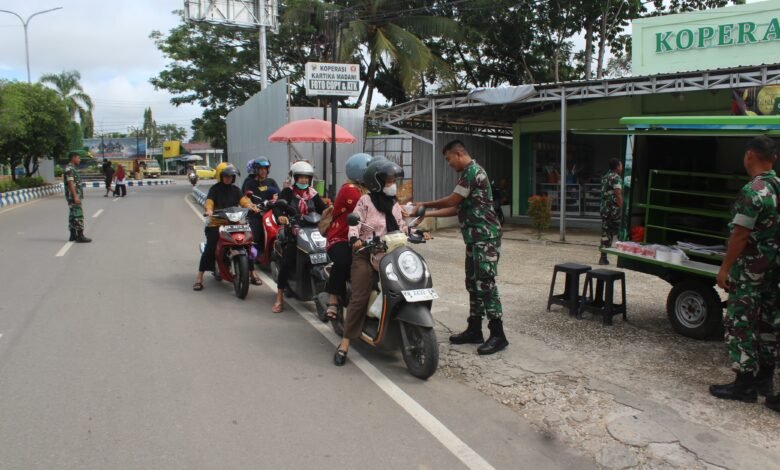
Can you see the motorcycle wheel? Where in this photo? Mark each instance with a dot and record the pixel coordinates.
(241, 276)
(420, 350)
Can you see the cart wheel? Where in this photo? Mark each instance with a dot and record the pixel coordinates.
(694, 309)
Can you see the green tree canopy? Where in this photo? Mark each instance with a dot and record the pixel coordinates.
(34, 124)
(68, 85)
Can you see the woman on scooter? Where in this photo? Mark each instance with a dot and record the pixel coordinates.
(265, 188)
(380, 214)
(220, 196)
(338, 248)
(297, 197)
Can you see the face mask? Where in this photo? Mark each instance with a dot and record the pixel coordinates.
(390, 190)
(301, 185)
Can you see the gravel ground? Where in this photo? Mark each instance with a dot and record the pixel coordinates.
(643, 356)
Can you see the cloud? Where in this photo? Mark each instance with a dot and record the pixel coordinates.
(108, 43)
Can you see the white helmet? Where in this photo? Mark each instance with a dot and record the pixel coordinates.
(301, 168)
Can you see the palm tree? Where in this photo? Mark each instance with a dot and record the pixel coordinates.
(67, 85)
(392, 40)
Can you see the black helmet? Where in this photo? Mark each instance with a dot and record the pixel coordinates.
(229, 170)
(377, 173)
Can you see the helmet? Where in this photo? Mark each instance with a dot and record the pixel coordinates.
(250, 167)
(377, 173)
(356, 166)
(301, 168)
(262, 162)
(228, 169)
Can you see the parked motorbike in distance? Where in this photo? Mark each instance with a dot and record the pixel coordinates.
(302, 232)
(193, 177)
(233, 249)
(400, 314)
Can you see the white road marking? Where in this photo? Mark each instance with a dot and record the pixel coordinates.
(198, 212)
(468, 456)
(97, 214)
(64, 249)
(115, 199)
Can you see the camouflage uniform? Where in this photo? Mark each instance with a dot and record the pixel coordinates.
(482, 234)
(752, 313)
(610, 211)
(75, 211)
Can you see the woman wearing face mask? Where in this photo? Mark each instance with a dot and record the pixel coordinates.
(297, 197)
(379, 210)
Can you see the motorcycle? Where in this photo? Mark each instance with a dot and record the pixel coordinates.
(193, 177)
(399, 314)
(302, 232)
(233, 249)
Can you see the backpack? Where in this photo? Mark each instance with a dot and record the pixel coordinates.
(325, 220)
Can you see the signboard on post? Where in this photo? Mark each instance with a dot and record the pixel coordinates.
(324, 79)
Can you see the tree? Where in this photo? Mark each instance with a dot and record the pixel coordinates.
(67, 85)
(149, 129)
(217, 66)
(392, 37)
(34, 124)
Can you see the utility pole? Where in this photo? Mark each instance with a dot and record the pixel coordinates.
(26, 42)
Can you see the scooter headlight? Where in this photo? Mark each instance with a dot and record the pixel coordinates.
(234, 217)
(411, 266)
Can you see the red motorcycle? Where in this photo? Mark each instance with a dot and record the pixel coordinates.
(233, 249)
(271, 229)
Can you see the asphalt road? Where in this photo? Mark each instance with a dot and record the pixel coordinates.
(109, 360)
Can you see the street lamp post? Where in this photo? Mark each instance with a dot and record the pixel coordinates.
(25, 23)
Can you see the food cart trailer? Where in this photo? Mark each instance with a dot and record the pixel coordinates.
(677, 204)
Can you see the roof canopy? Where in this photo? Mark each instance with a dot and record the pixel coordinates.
(693, 126)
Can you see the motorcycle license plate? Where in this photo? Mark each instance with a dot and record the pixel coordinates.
(318, 258)
(235, 228)
(419, 295)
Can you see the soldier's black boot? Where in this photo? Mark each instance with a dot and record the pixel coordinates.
(72, 236)
(80, 238)
(773, 402)
(472, 335)
(497, 340)
(742, 389)
(603, 260)
(765, 380)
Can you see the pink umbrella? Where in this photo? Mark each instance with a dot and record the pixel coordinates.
(311, 131)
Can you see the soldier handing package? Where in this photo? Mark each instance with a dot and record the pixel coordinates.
(472, 202)
(750, 274)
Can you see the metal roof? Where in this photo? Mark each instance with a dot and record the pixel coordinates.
(457, 112)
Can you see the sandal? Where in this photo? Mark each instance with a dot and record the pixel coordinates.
(278, 307)
(255, 281)
(197, 286)
(332, 311)
(340, 358)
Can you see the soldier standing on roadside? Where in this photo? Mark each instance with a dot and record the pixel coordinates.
(611, 205)
(749, 273)
(472, 202)
(73, 194)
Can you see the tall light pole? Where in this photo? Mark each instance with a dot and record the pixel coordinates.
(25, 23)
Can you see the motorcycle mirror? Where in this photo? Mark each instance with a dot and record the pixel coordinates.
(353, 220)
(248, 193)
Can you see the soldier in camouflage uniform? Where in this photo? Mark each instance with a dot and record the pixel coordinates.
(472, 202)
(73, 194)
(611, 205)
(749, 275)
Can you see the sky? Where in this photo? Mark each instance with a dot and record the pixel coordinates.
(107, 41)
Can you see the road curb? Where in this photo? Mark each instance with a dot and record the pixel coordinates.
(21, 196)
(199, 196)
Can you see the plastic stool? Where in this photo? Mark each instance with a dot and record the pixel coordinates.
(602, 302)
(569, 298)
